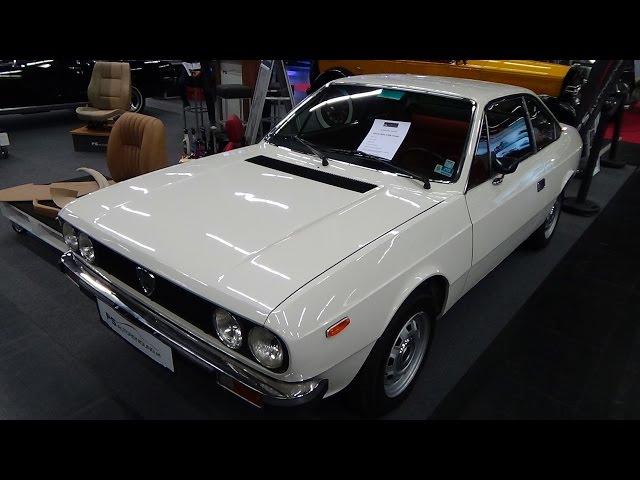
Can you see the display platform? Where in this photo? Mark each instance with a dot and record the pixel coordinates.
(86, 139)
(24, 216)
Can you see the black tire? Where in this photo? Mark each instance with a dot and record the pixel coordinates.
(137, 100)
(17, 228)
(366, 394)
(543, 235)
(326, 77)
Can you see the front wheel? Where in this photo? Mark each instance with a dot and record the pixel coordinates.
(542, 236)
(389, 373)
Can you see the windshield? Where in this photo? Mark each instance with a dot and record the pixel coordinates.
(422, 133)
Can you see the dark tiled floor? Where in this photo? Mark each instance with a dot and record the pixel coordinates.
(573, 350)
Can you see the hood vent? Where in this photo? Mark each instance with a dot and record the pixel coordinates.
(312, 174)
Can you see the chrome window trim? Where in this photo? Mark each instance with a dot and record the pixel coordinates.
(556, 124)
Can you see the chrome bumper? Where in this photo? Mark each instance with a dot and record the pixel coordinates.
(271, 391)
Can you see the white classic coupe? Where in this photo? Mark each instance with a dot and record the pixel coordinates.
(321, 257)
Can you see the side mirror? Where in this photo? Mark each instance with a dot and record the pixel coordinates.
(504, 165)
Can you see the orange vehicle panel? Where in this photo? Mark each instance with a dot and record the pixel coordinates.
(540, 77)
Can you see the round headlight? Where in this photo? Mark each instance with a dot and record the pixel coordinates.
(228, 329)
(70, 237)
(266, 347)
(86, 248)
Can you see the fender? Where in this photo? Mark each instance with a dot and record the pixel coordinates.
(567, 177)
(370, 285)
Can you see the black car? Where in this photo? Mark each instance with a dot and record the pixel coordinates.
(29, 86)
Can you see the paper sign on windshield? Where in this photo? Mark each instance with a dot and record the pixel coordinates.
(384, 138)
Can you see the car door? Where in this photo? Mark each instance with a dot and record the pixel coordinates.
(42, 82)
(12, 90)
(504, 209)
(75, 77)
(546, 130)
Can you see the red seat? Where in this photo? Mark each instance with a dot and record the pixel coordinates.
(235, 132)
(442, 135)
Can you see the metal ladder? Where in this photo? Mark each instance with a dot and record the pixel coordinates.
(273, 86)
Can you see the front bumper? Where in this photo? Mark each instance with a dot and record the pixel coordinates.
(270, 391)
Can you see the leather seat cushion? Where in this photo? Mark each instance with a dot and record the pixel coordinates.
(94, 114)
(136, 146)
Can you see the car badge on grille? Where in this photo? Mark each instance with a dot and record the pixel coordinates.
(146, 280)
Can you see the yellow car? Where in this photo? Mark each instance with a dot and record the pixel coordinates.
(559, 85)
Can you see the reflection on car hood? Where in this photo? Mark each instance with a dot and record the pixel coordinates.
(242, 234)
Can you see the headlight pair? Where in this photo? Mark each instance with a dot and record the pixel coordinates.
(78, 242)
(265, 347)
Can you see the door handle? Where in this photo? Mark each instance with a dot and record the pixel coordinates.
(497, 180)
(541, 184)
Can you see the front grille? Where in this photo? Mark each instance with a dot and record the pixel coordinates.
(174, 298)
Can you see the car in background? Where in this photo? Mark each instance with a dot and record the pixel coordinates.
(31, 86)
(557, 85)
(627, 83)
(322, 256)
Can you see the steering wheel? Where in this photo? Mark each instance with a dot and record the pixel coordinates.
(423, 150)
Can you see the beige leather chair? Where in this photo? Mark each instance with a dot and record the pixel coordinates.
(136, 146)
(109, 92)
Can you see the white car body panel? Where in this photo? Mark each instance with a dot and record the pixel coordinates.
(504, 215)
(245, 226)
(299, 255)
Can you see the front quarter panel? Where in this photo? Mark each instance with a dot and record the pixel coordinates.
(368, 287)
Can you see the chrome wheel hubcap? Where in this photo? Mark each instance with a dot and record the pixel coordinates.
(552, 219)
(406, 355)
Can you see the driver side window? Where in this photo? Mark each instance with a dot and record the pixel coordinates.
(509, 139)
(504, 137)
(481, 164)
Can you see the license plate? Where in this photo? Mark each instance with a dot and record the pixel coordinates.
(143, 341)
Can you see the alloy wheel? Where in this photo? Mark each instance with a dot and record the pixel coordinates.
(552, 219)
(405, 357)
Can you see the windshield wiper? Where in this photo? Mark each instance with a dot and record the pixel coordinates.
(383, 161)
(312, 148)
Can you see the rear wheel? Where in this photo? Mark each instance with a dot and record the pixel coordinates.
(542, 236)
(326, 77)
(137, 100)
(389, 373)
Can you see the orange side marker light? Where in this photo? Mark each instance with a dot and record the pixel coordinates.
(336, 328)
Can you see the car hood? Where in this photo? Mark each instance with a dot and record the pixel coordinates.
(244, 235)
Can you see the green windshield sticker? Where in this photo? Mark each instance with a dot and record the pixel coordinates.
(391, 94)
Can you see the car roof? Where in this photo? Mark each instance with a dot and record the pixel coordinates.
(478, 90)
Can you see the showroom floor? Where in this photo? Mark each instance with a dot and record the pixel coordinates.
(572, 351)
(57, 361)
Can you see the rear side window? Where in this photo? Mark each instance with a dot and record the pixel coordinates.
(508, 132)
(545, 128)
